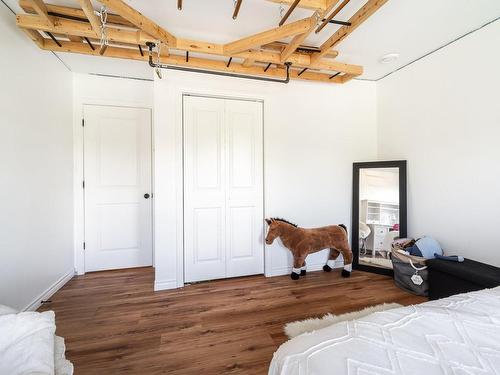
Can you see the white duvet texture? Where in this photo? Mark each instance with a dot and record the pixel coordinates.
(27, 343)
(62, 365)
(458, 335)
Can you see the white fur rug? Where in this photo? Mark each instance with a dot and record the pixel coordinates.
(294, 329)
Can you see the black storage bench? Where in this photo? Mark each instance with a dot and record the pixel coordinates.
(447, 278)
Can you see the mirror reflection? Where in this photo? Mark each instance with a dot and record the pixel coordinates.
(378, 215)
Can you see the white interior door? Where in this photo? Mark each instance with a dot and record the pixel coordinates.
(223, 188)
(117, 174)
(204, 189)
(244, 188)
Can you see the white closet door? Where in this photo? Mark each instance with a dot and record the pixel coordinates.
(117, 172)
(204, 189)
(223, 188)
(244, 201)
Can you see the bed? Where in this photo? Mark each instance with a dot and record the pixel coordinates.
(28, 344)
(457, 335)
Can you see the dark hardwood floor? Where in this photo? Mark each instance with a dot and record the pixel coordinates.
(114, 323)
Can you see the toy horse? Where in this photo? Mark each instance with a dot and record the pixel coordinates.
(302, 242)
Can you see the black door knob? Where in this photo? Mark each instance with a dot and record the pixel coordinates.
(146, 195)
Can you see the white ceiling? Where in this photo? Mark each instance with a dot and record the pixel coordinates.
(411, 28)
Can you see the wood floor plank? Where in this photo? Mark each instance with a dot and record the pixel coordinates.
(114, 323)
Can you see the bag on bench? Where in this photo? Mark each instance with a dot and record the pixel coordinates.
(410, 272)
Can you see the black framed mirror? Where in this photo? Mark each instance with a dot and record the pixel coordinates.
(378, 213)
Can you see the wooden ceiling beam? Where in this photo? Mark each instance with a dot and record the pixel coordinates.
(297, 59)
(308, 4)
(35, 37)
(88, 9)
(356, 20)
(347, 77)
(74, 38)
(333, 14)
(41, 9)
(134, 37)
(73, 13)
(66, 26)
(304, 49)
(257, 40)
(140, 21)
(248, 62)
(215, 65)
(299, 39)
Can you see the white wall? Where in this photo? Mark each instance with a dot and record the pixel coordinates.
(442, 115)
(313, 134)
(107, 91)
(36, 157)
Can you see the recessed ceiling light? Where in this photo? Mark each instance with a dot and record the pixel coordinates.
(390, 57)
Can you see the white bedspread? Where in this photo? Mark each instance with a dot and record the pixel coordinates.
(459, 335)
(27, 343)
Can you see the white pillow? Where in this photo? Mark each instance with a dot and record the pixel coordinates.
(27, 343)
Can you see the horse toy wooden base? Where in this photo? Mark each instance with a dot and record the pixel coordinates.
(302, 242)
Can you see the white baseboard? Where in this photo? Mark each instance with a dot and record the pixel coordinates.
(165, 284)
(49, 292)
(280, 271)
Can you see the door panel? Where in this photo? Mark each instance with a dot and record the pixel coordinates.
(207, 244)
(117, 172)
(204, 193)
(242, 240)
(223, 188)
(244, 202)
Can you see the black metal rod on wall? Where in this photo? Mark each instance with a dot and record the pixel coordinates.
(229, 62)
(335, 75)
(140, 50)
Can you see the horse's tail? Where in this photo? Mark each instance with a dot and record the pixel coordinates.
(343, 227)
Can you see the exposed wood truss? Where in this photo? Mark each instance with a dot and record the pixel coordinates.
(299, 39)
(257, 40)
(91, 16)
(41, 9)
(333, 14)
(78, 30)
(361, 16)
(139, 21)
(308, 4)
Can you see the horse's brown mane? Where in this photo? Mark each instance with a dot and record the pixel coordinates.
(284, 221)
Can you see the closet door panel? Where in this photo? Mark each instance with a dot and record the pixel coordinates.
(244, 220)
(223, 188)
(204, 189)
